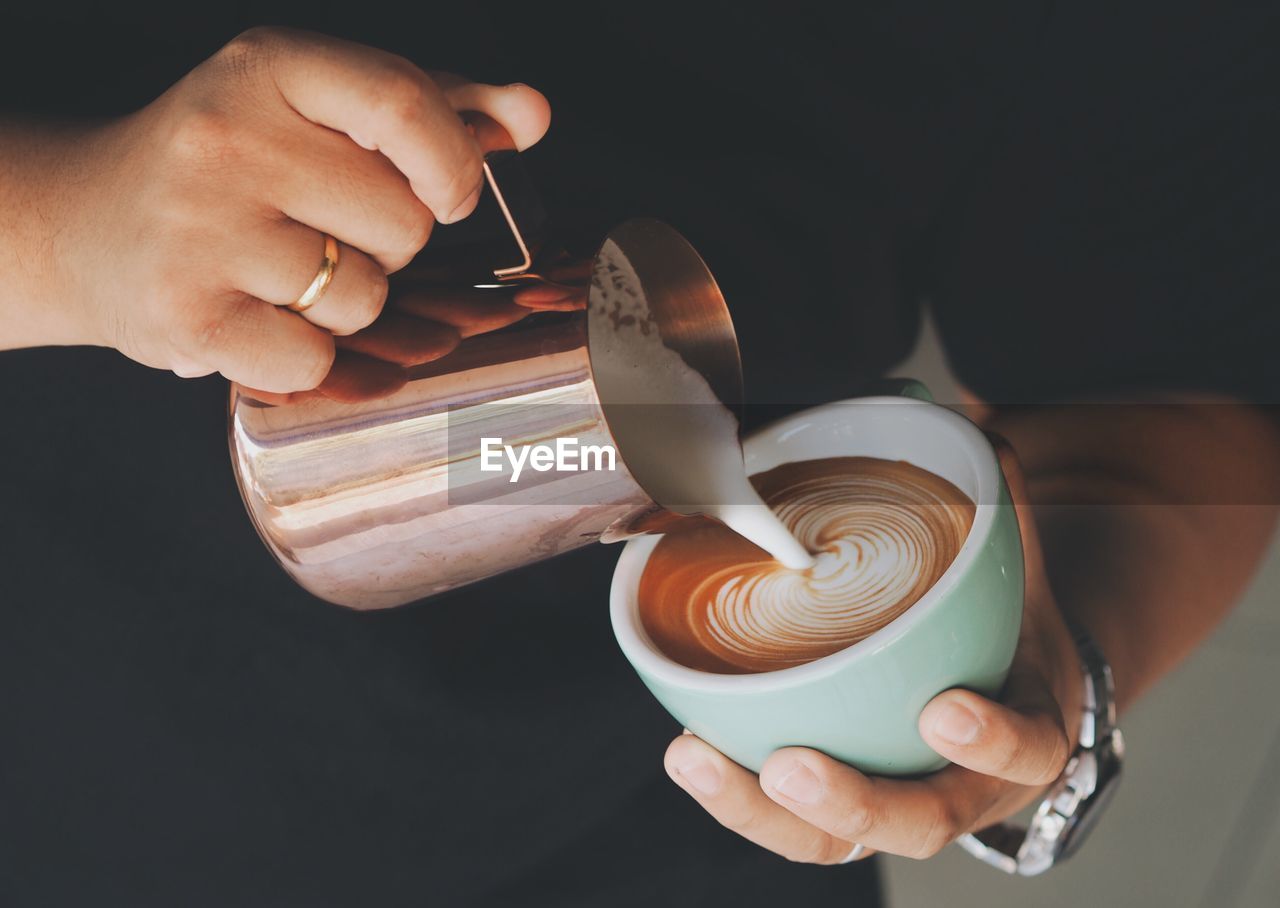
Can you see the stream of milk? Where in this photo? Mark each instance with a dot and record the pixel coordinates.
(674, 434)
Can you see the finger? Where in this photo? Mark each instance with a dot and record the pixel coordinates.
(274, 398)
(523, 113)
(189, 368)
(490, 134)
(1023, 741)
(352, 194)
(470, 312)
(912, 818)
(733, 797)
(551, 298)
(256, 344)
(403, 340)
(384, 103)
(356, 377)
(281, 265)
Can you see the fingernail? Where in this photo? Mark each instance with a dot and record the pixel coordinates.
(956, 725)
(800, 784)
(467, 205)
(701, 776)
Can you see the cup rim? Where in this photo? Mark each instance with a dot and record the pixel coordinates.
(635, 555)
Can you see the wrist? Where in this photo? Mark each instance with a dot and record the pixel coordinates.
(43, 170)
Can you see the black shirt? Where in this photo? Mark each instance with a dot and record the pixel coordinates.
(1085, 196)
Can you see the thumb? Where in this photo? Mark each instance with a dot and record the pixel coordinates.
(1022, 741)
(517, 110)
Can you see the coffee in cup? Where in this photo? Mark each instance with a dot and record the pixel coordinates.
(883, 533)
(860, 703)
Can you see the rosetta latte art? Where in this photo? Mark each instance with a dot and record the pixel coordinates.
(883, 533)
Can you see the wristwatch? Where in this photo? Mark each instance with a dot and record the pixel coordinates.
(1077, 799)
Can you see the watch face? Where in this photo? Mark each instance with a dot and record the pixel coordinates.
(1091, 810)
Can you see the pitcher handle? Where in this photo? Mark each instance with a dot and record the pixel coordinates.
(497, 158)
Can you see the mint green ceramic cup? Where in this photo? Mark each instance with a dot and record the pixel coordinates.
(859, 705)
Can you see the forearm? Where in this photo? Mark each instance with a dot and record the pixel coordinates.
(1153, 519)
(39, 171)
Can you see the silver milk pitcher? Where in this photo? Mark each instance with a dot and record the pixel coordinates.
(380, 502)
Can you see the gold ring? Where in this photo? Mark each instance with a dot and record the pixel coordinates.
(320, 283)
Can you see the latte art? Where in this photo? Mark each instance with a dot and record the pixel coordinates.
(883, 533)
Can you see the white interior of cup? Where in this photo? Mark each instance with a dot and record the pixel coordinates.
(892, 428)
